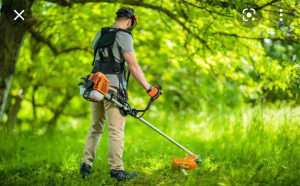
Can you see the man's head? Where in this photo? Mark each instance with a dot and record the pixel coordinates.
(126, 18)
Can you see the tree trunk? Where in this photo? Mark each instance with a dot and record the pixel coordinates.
(12, 116)
(60, 109)
(11, 37)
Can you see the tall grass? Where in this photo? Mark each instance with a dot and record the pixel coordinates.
(246, 146)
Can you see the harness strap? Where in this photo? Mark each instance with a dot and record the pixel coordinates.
(127, 79)
(108, 65)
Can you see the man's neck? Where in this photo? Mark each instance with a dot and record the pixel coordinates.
(120, 25)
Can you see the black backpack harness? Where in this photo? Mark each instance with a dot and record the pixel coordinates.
(109, 65)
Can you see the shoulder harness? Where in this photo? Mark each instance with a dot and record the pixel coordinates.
(108, 65)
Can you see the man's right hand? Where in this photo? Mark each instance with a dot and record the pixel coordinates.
(154, 92)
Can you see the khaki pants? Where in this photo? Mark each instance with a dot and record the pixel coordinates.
(101, 111)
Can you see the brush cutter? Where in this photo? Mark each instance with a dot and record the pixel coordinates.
(96, 88)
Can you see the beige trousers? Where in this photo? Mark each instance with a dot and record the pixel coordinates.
(102, 111)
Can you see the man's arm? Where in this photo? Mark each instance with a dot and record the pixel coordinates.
(136, 70)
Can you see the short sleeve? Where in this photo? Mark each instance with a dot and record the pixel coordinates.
(124, 41)
(96, 39)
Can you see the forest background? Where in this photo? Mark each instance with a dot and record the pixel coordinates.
(230, 93)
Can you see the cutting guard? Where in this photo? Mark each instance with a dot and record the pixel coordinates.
(186, 163)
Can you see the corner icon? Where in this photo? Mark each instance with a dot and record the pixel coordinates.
(248, 15)
(19, 15)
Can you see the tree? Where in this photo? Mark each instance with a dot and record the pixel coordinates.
(11, 37)
(192, 31)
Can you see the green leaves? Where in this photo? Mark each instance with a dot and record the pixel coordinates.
(234, 65)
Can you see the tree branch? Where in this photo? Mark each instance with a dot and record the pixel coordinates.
(39, 38)
(226, 4)
(267, 4)
(204, 8)
(136, 3)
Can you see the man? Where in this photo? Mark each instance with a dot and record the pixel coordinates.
(113, 46)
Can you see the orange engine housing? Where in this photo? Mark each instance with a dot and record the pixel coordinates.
(186, 163)
(101, 83)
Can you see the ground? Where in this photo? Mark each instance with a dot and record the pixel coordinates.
(257, 146)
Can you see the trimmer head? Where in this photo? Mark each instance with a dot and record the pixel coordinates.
(186, 163)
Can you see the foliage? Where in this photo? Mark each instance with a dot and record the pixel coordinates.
(243, 146)
(230, 68)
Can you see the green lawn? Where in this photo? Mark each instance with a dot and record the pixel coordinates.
(257, 146)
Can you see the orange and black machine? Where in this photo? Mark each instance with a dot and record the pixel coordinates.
(100, 84)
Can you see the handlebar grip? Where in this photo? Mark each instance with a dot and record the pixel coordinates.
(159, 87)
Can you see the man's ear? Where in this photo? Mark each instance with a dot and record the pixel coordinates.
(128, 24)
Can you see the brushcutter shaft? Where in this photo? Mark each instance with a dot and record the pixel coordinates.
(110, 98)
(164, 135)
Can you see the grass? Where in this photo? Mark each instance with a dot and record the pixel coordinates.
(256, 146)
